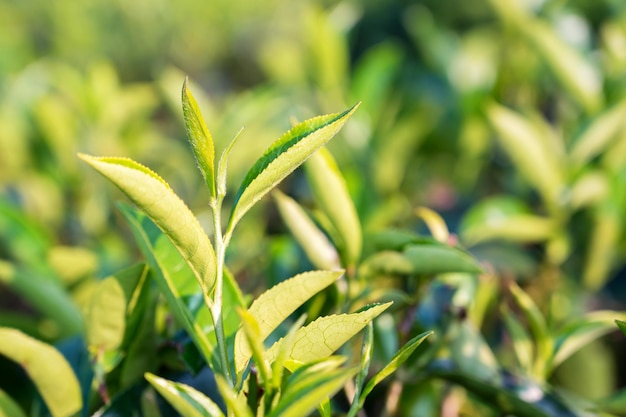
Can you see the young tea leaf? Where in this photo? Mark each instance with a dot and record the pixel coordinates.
(313, 241)
(320, 338)
(105, 318)
(527, 148)
(276, 304)
(283, 157)
(47, 368)
(236, 404)
(154, 196)
(158, 250)
(186, 400)
(331, 193)
(200, 139)
(437, 258)
(309, 386)
(399, 358)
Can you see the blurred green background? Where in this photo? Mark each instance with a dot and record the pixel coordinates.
(507, 117)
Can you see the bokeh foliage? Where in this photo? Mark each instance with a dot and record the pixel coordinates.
(506, 117)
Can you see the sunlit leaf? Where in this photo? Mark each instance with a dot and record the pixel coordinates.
(331, 194)
(200, 139)
(543, 340)
(322, 337)
(185, 399)
(236, 404)
(152, 195)
(276, 304)
(527, 148)
(313, 241)
(252, 333)
(154, 247)
(105, 318)
(581, 332)
(520, 339)
(435, 223)
(283, 157)
(309, 386)
(598, 136)
(505, 218)
(398, 359)
(222, 165)
(435, 259)
(47, 368)
(605, 235)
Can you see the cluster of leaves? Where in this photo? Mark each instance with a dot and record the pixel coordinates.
(505, 117)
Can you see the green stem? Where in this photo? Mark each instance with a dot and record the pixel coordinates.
(216, 311)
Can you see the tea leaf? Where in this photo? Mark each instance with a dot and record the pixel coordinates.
(105, 318)
(236, 404)
(539, 329)
(283, 157)
(185, 399)
(8, 407)
(313, 241)
(252, 333)
(331, 193)
(154, 196)
(276, 304)
(622, 326)
(435, 223)
(526, 147)
(200, 139)
(46, 367)
(598, 136)
(158, 250)
(437, 258)
(322, 337)
(522, 344)
(309, 386)
(580, 333)
(398, 359)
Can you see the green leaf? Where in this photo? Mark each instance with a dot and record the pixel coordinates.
(331, 194)
(539, 329)
(105, 318)
(622, 326)
(152, 195)
(163, 259)
(398, 359)
(605, 238)
(186, 400)
(309, 386)
(320, 338)
(236, 404)
(437, 258)
(367, 350)
(505, 218)
(8, 407)
(522, 344)
(615, 404)
(276, 304)
(283, 157)
(222, 165)
(529, 150)
(581, 332)
(47, 295)
(598, 136)
(200, 139)
(313, 241)
(252, 332)
(47, 368)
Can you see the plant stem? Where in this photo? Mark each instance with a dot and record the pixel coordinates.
(216, 311)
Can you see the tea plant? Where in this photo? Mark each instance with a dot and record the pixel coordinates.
(296, 374)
